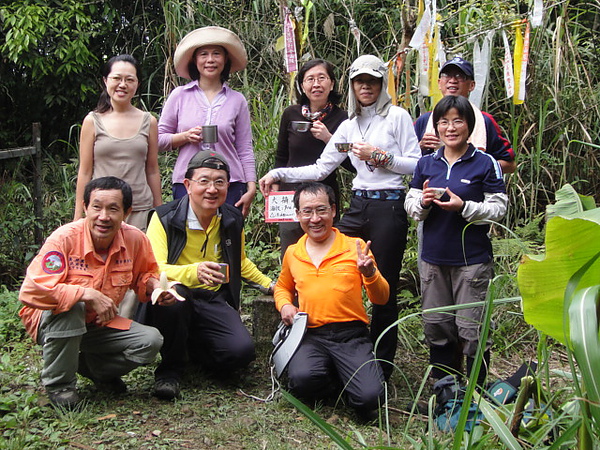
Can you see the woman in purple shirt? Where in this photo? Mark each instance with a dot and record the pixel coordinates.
(207, 56)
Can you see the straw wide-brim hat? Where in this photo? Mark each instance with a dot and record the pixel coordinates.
(209, 36)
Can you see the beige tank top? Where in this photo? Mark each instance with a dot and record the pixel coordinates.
(125, 159)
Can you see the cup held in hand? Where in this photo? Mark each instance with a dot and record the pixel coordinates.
(343, 147)
(439, 192)
(210, 134)
(301, 126)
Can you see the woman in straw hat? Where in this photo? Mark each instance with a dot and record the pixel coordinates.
(384, 148)
(207, 56)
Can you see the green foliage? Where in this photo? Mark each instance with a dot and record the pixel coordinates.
(11, 329)
(50, 39)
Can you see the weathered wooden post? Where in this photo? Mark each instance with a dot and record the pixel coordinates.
(37, 183)
(265, 319)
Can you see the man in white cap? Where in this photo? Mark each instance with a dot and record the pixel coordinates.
(192, 238)
(384, 149)
(456, 78)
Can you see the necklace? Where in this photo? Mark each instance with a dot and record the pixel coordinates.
(363, 134)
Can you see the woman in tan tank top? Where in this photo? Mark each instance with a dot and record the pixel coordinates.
(121, 140)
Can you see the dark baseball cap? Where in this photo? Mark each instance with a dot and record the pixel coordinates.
(465, 66)
(209, 159)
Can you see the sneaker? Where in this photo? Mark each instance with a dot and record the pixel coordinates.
(166, 389)
(114, 386)
(65, 398)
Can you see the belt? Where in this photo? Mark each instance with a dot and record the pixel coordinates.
(385, 194)
(338, 326)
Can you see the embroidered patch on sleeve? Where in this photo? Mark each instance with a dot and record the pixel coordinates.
(53, 262)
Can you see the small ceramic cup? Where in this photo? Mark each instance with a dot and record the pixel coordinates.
(301, 126)
(439, 192)
(343, 147)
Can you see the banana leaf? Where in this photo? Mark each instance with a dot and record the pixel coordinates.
(571, 242)
(583, 314)
(569, 203)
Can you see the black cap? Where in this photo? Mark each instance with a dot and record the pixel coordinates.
(209, 159)
(465, 66)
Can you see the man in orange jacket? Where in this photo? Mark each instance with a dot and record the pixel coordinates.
(73, 288)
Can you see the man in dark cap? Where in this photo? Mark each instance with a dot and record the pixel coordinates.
(198, 241)
(457, 78)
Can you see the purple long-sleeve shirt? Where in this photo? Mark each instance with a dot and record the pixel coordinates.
(187, 107)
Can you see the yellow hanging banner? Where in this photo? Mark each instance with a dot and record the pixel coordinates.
(434, 66)
(518, 59)
(391, 81)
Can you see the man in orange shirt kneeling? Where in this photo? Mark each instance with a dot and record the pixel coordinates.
(327, 270)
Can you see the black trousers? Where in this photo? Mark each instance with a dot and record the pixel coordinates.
(337, 356)
(385, 224)
(205, 329)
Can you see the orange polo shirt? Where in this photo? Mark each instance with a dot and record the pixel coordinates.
(332, 292)
(67, 263)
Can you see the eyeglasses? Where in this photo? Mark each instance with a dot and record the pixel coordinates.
(457, 76)
(456, 123)
(311, 80)
(321, 211)
(205, 183)
(127, 80)
(367, 81)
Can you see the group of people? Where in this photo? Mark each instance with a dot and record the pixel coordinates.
(91, 275)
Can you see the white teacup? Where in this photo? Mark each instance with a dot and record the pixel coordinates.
(343, 147)
(301, 126)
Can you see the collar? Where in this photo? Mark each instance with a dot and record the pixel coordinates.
(439, 154)
(337, 247)
(194, 85)
(192, 221)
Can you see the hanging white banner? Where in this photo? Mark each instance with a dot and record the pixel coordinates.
(507, 64)
(424, 26)
(481, 65)
(424, 70)
(356, 33)
(538, 12)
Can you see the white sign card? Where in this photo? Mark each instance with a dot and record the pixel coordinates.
(279, 207)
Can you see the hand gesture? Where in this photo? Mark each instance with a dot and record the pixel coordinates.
(193, 135)
(209, 273)
(246, 200)
(363, 150)
(454, 204)
(430, 142)
(320, 131)
(265, 184)
(287, 313)
(102, 305)
(364, 261)
(428, 195)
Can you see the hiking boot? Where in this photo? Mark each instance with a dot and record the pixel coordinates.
(114, 386)
(166, 389)
(65, 398)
